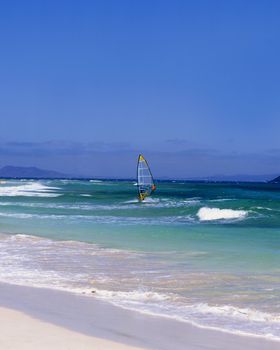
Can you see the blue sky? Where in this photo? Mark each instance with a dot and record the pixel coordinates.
(194, 85)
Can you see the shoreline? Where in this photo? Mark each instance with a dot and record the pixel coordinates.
(85, 316)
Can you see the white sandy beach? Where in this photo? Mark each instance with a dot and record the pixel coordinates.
(20, 331)
(34, 318)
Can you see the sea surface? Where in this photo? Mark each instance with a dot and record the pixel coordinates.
(205, 253)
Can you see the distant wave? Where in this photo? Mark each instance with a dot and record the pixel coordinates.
(161, 203)
(210, 214)
(124, 221)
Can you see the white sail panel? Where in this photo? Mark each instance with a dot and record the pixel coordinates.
(145, 179)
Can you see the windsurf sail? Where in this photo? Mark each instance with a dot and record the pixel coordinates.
(145, 181)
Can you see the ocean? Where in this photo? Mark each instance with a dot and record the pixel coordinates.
(203, 253)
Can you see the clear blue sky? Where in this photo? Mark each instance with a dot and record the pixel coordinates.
(194, 85)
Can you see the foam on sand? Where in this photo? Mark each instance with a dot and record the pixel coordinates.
(210, 214)
(226, 318)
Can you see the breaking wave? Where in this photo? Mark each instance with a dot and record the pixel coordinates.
(210, 214)
(30, 189)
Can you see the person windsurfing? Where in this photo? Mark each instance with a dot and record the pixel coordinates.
(145, 181)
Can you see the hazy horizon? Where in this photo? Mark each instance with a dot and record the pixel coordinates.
(193, 86)
(214, 177)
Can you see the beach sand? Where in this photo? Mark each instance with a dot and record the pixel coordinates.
(34, 318)
(20, 331)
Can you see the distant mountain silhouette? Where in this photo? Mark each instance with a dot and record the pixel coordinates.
(29, 172)
(276, 180)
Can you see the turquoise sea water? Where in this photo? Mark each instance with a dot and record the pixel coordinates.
(202, 253)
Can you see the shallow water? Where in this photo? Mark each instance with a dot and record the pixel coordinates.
(202, 253)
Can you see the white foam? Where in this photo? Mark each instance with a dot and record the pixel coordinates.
(210, 214)
(136, 295)
(240, 313)
(225, 318)
(132, 201)
(30, 189)
(263, 208)
(150, 200)
(19, 215)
